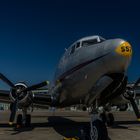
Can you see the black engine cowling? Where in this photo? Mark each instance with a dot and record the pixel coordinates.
(24, 98)
(129, 92)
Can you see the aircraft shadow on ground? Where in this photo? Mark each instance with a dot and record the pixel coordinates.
(66, 127)
(53, 115)
(70, 128)
(63, 126)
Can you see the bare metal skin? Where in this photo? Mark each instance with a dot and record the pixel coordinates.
(81, 71)
(84, 74)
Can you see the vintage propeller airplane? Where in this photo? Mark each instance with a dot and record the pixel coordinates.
(92, 72)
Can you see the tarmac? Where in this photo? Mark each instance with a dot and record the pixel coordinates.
(47, 125)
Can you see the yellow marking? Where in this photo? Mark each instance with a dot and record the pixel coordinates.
(10, 123)
(124, 49)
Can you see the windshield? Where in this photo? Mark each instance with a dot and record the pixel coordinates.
(89, 42)
(92, 41)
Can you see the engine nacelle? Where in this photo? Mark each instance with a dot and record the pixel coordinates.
(129, 92)
(24, 98)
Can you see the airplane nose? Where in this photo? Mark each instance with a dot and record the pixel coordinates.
(124, 53)
(124, 49)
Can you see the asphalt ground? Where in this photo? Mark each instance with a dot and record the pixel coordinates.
(47, 125)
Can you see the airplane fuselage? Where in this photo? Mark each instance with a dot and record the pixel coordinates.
(80, 69)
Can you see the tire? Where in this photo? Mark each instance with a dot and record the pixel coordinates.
(98, 131)
(19, 120)
(28, 120)
(110, 119)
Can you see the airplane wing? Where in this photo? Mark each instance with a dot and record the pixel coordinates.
(4, 96)
(22, 95)
(41, 98)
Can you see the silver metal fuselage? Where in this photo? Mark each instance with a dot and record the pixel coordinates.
(79, 71)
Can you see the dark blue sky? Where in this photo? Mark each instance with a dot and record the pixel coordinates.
(33, 34)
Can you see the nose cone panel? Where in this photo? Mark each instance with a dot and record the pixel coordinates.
(124, 49)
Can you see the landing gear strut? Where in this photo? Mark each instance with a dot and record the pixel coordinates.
(107, 118)
(98, 130)
(23, 119)
(110, 119)
(19, 121)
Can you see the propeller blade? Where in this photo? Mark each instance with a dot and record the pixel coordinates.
(136, 84)
(3, 78)
(13, 112)
(135, 108)
(33, 87)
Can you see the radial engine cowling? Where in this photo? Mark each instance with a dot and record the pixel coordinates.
(130, 92)
(24, 98)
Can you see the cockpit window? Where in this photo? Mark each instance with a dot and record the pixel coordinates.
(85, 42)
(89, 42)
(77, 45)
(72, 49)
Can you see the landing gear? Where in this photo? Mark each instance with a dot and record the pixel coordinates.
(11, 106)
(19, 121)
(107, 118)
(23, 120)
(103, 117)
(28, 120)
(98, 130)
(110, 119)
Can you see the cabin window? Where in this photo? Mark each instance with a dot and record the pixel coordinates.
(87, 43)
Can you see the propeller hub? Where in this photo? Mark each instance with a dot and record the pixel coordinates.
(129, 93)
(18, 93)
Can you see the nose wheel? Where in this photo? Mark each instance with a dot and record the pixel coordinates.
(98, 130)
